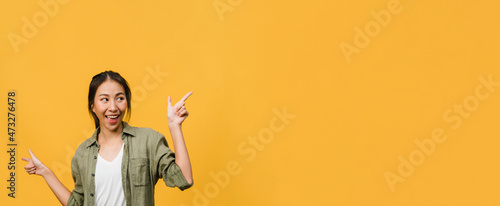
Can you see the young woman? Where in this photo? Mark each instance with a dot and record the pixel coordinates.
(120, 164)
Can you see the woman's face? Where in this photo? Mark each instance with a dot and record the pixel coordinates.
(110, 104)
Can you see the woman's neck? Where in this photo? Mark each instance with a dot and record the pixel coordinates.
(107, 136)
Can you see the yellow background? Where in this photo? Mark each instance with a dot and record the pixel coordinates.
(353, 119)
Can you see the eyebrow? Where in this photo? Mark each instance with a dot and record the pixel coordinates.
(105, 94)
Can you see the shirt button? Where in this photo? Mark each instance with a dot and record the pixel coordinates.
(95, 157)
(93, 175)
(92, 194)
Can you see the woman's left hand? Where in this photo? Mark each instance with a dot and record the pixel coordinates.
(177, 113)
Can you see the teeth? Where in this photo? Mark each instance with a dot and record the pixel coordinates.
(113, 117)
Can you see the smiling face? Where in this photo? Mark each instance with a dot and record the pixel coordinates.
(110, 105)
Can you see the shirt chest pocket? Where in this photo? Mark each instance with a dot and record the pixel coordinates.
(139, 170)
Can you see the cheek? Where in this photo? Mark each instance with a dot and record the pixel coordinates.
(123, 106)
(98, 109)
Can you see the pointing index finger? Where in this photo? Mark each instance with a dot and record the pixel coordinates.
(186, 96)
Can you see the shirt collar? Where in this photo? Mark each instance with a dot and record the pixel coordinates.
(127, 129)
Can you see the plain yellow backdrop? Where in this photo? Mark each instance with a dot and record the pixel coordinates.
(360, 81)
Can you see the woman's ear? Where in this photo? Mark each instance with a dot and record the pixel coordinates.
(92, 106)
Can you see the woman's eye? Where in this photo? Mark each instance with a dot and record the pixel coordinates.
(104, 99)
(120, 98)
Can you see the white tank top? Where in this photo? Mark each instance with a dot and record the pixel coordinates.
(108, 181)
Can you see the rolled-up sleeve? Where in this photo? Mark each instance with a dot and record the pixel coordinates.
(166, 166)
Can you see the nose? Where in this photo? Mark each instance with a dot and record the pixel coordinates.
(112, 106)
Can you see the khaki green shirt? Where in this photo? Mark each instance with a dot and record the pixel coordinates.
(146, 158)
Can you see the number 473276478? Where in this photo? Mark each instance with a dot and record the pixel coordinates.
(11, 121)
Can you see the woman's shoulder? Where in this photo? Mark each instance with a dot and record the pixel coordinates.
(142, 132)
(82, 149)
(145, 136)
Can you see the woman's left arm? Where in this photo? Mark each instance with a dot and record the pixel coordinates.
(176, 115)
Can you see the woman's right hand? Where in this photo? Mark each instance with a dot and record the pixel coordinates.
(34, 165)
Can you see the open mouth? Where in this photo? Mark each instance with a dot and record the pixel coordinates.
(112, 118)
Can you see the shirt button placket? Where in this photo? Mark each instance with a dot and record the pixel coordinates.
(93, 176)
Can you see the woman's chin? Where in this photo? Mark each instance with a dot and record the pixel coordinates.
(113, 126)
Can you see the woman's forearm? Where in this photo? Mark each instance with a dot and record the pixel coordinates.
(181, 153)
(62, 193)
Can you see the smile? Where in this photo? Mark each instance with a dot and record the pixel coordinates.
(112, 118)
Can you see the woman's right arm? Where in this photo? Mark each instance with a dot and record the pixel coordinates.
(36, 167)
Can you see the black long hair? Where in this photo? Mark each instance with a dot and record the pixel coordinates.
(97, 80)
